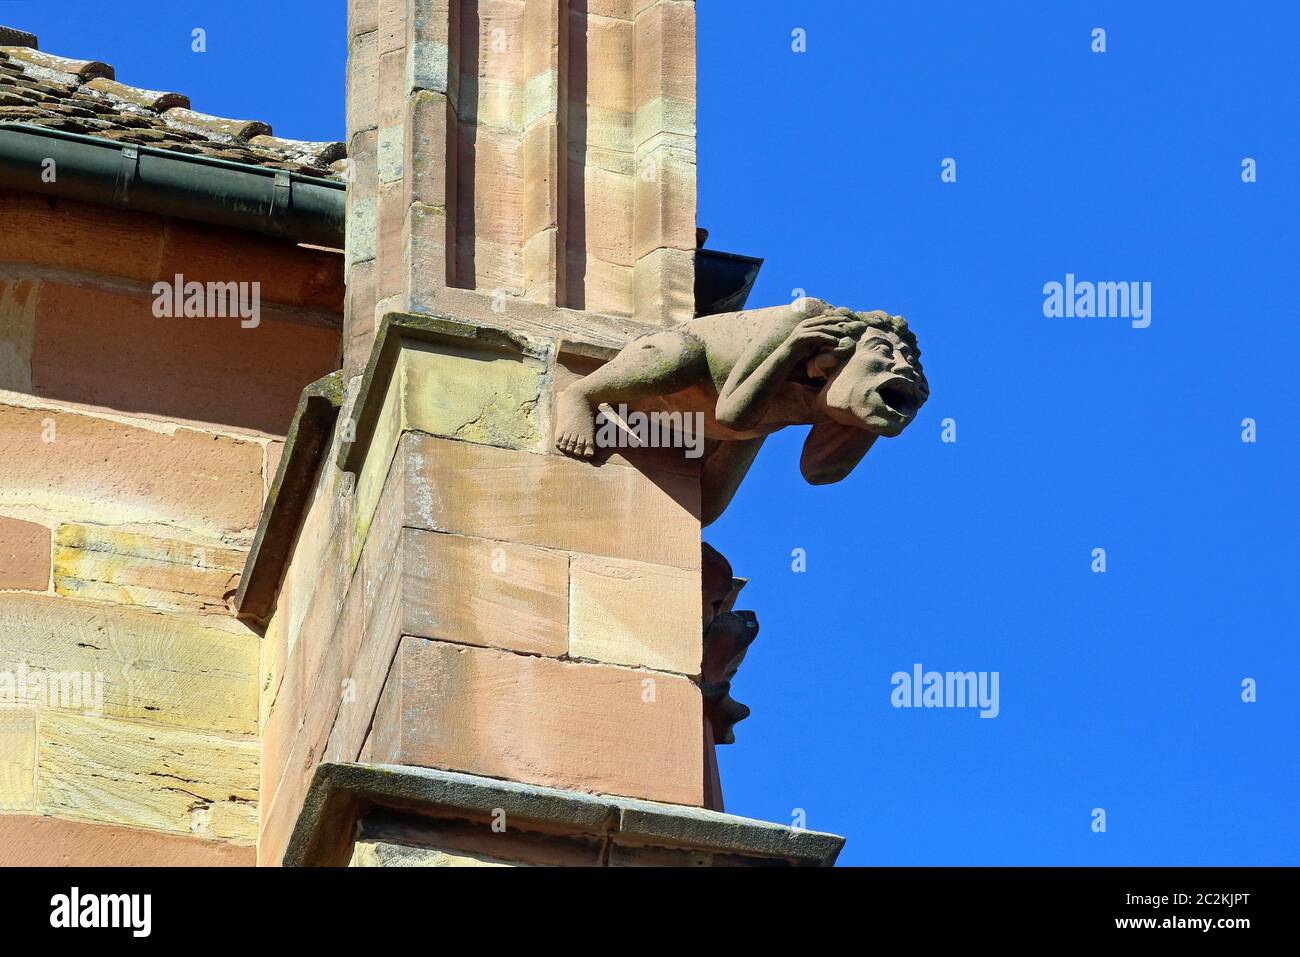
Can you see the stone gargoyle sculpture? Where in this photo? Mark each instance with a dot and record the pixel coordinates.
(852, 376)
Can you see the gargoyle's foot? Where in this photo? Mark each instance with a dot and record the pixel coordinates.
(575, 428)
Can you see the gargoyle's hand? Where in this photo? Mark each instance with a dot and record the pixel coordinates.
(823, 333)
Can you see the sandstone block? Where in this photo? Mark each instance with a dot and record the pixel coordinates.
(464, 393)
(665, 286)
(552, 501)
(106, 348)
(18, 300)
(17, 760)
(33, 841)
(175, 670)
(24, 555)
(605, 79)
(665, 202)
(361, 241)
(430, 124)
(631, 613)
(665, 52)
(479, 592)
(108, 472)
(594, 728)
(164, 779)
(104, 564)
(363, 84)
(363, 17)
(359, 324)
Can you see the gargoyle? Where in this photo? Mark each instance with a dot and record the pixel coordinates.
(852, 376)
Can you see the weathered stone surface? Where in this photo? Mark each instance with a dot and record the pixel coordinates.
(100, 470)
(105, 564)
(430, 120)
(33, 841)
(640, 828)
(361, 317)
(17, 759)
(461, 392)
(172, 670)
(474, 396)
(80, 236)
(594, 728)
(24, 555)
(332, 716)
(665, 202)
(382, 854)
(392, 114)
(363, 83)
(120, 772)
(551, 501)
(665, 51)
(363, 17)
(106, 348)
(631, 613)
(664, 286)
(478, 592)
(18, 299)
(363, 199)
(602, 206)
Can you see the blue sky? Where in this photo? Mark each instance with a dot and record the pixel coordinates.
(1119, 690)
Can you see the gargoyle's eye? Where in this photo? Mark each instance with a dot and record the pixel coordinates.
(884, 348)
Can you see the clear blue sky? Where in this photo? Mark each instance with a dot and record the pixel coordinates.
(1118, 690)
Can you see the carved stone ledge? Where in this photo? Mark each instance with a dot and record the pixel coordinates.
(451, 814)
(308, 438)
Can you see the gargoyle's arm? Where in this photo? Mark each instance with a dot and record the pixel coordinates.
(767, 361)
(753, 381)
(831, 452)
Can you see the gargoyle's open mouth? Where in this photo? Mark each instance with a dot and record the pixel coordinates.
(900, 395)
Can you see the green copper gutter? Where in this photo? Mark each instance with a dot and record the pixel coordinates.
(303, 209)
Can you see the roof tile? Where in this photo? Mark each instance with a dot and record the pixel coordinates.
(9, 37)
(135, 96)
(81, 69)
(303, 151)
(217, 127)
(83, 96)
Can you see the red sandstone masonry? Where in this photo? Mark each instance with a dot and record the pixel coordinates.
(31, 841)
(92, 469)
(106, 349)
(552, 501)
(24, 555)
(581, 727)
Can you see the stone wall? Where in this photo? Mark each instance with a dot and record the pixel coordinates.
(135, 453)
(476, 601)
(521, 157)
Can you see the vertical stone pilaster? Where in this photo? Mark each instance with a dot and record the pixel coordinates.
(523, 154)
(363, 182)
(665, 207)
(546, 52)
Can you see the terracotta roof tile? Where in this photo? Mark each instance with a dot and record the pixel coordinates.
(9, 37)
(313, 154)
(48, 62)
(214, 127)
(134, 96)
(83, 96)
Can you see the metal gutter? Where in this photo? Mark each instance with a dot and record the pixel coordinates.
(145, 179)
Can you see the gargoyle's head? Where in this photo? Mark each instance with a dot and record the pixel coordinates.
(874, 382)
